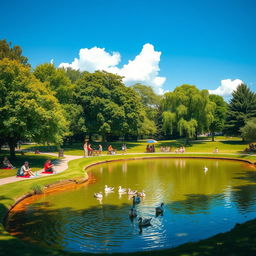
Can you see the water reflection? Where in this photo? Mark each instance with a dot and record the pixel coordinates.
(197, 205)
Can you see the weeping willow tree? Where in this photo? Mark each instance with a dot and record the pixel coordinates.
(187, 110)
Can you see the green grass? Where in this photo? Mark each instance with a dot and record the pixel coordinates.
(240, 241)
(203, 144)
(36, 162)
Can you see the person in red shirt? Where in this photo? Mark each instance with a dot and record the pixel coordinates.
(90, 149)
(48, 166)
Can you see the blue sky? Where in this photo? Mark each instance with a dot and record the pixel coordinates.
(201, 42)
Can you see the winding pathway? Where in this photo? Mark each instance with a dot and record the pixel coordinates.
(59, 164)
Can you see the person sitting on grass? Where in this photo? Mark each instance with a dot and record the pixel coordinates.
(25, 170)
(48, 166)
(7, 164)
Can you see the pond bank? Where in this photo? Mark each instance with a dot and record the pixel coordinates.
(80, 163)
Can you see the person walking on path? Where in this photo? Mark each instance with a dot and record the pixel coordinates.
(85, 149)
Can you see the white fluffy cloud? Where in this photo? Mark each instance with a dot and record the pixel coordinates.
(227, 87)
(144, 68)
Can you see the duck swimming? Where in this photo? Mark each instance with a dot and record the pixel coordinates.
(142, 193)
(160, 209)
(133, 213)
(121, 190)
(132, 192)
(98, 195)
(145, 222)
(108, 189)
(136, 200)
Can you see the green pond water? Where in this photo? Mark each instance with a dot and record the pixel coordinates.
(198, 204)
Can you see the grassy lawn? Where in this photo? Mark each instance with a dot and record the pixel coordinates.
(36, 162)
(203, 144)
(239, 241)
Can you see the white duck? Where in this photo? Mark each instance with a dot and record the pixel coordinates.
(142, 193)
(205, 169)
(132, 192)
(144, 223)
(133, 213)
(108, 189)
(160, 209)
(98, 195)
(121, 190)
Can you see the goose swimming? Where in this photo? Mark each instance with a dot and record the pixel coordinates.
(160, 209)
(145, 222)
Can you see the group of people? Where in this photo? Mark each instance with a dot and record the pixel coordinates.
(180, 150)
(150, 148)
(165, 149)
(89, 151)
(252, 148)
(26, 171)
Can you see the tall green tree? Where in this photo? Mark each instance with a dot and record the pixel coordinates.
(28, 110)
(12, 53)
(151, 104)
(248, 132)
(57, 80)
(241, 108)
(219, 114)
(110, 108)
(186, 110)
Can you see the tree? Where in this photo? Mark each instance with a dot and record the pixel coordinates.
(28, 109)
(151, 103)
(241, 108)
(219, 114)
(110, 108)
(58, 82)
(186, 110)
(12, 53)
(248, 132)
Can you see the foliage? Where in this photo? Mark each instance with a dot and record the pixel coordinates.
(219, 114)
(109, 107)
(58, 82)
(249, 130)
(241, 108)
(186, 110)
(37, 188)
(150, 102)
(12, 53)
(28, 110)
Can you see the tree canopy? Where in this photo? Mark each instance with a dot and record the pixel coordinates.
(28, 109)
(249, 130)
(219, 114)
(110, 108)
(241, 108)
(12, 53)
(186, 110)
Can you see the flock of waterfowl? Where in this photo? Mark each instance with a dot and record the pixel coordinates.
(136, 200)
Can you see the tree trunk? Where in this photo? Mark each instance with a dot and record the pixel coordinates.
(12, 144)
(213, 136)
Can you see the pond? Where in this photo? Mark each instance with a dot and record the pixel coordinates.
(197, 204)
